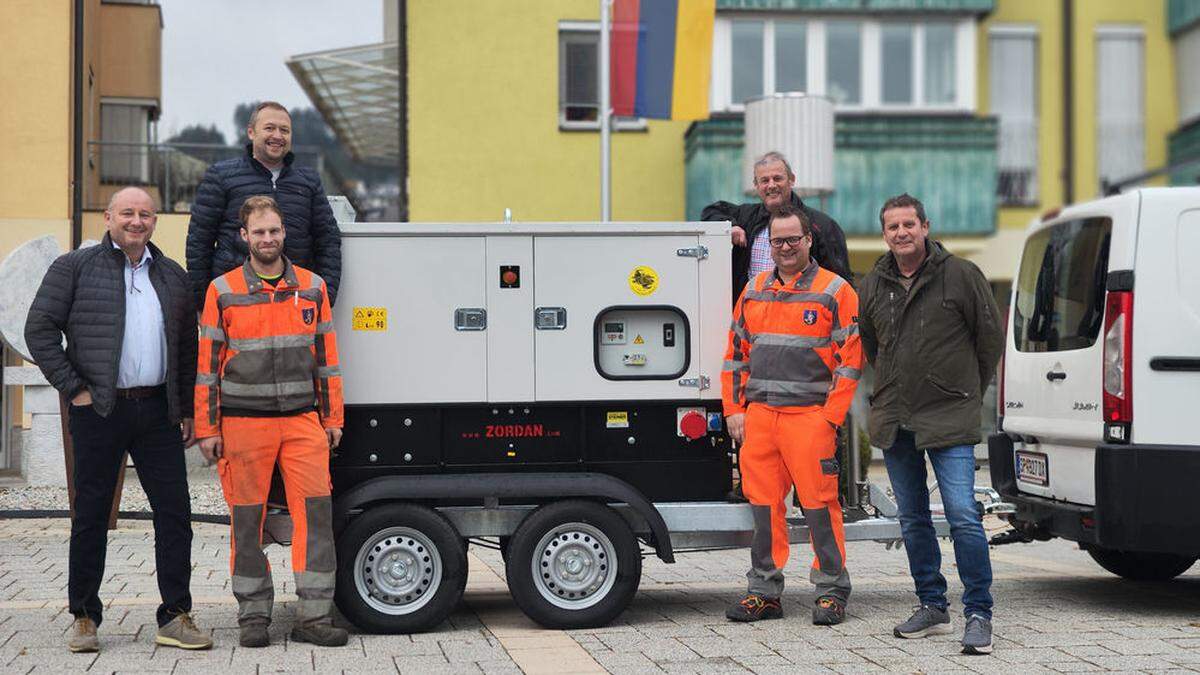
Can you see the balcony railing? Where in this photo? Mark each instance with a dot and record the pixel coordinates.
(173, 169)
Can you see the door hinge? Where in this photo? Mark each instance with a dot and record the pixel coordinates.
(700, 383)
(697, 252)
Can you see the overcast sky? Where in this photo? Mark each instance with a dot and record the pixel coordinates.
(219, 53)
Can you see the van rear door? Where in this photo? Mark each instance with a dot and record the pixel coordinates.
(1054, 354)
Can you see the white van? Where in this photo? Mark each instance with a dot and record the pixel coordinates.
(1099, 439)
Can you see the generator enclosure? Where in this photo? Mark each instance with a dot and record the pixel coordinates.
(525, 347)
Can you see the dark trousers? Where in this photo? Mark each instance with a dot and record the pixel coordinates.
(141, 428)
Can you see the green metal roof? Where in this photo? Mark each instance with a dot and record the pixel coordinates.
(1181, 14)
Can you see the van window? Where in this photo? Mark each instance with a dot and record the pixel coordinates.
(1060, 286)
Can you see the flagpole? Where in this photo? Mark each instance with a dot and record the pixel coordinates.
(605, 115)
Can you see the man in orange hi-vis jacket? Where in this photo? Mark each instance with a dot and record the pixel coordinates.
(792, 365)
(268, 389)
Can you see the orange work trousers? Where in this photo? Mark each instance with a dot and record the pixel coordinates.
(781, 449)
(252, 446)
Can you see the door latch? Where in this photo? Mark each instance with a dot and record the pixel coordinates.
(697, 252)
(470, 318)
(700, 383)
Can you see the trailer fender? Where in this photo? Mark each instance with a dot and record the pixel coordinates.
(507, 486)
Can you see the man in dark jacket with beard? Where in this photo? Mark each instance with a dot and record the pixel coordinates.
(774, 181)
(213, 244)
(931, 329)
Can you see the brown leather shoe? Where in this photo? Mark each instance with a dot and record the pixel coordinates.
(182, 633)
(320, 633)
(83, 636)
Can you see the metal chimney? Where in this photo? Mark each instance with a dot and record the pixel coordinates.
(801, 127)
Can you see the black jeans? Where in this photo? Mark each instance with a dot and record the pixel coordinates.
(141, 428)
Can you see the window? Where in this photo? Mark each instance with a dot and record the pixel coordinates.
(860, 65)
(1120, 110)
(1060, 286)
(642, 343)
(940, 70)
(579, 79)
(791, 56)
(1012, 75)
(897, 63)
(125, 138)
(1187, 73)
(747, 60)
(843, 59)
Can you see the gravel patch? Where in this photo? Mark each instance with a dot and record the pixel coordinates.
(203, 486)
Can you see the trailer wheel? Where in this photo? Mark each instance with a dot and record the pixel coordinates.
(402, 569)
(1141, 565)
(573, 564)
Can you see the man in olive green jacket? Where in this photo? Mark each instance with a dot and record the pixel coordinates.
(931, 330)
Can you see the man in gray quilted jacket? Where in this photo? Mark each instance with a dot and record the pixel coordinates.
(128, 369)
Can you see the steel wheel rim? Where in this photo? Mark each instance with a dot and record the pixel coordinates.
(574, 566)
(397, 570)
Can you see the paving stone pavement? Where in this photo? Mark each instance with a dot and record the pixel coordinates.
(1056, 612)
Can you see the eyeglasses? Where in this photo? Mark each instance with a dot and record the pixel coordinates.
(790, 241)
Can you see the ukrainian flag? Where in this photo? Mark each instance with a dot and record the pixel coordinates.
(661, 58)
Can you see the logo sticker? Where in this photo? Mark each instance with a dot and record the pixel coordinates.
(308, 314)
(617, 420)
(810, 317)
(643, 280)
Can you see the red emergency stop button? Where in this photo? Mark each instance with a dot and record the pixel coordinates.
(693, 425)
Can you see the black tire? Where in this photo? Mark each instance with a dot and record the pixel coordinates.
(425, 582)
(583, 541)
(1141, 565)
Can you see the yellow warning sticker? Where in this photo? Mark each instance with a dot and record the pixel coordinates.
(639, 340)
(370, 318)
(618, 420)
(643, 280)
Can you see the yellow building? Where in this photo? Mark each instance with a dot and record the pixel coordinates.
(991, 111)
(79, 77)
(75, 109)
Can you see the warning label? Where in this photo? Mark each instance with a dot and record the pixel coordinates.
(370, 318)
(639, 340)
(618, 420)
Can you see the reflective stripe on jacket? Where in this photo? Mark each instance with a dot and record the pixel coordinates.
(269, 350)
(794, 347)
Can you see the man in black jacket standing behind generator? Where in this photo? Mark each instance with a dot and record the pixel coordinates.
(774, 182)
(213, 244)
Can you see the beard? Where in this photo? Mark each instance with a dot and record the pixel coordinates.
(267, 257)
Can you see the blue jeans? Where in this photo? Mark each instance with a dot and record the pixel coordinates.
(954, 468)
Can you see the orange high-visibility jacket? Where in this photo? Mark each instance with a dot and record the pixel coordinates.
(795, 347)
(267, 351)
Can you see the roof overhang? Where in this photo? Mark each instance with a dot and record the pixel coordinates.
(357, 91)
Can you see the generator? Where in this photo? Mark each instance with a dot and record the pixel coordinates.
(548, 389)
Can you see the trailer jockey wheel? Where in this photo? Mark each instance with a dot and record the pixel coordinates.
(573, 564)
(402, 568)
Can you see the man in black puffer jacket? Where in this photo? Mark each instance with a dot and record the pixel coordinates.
(129, 371)
(313, 240)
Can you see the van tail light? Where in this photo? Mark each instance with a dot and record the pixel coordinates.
(1118, 366)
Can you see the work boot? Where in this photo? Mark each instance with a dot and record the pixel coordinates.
(254, 635)
(925, 621)
(83, 636)
(322, 634)
(828, 612)
(182, 632)
(754, 607)
(977, 636)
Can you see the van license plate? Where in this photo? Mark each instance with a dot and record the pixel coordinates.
(1033, 467)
